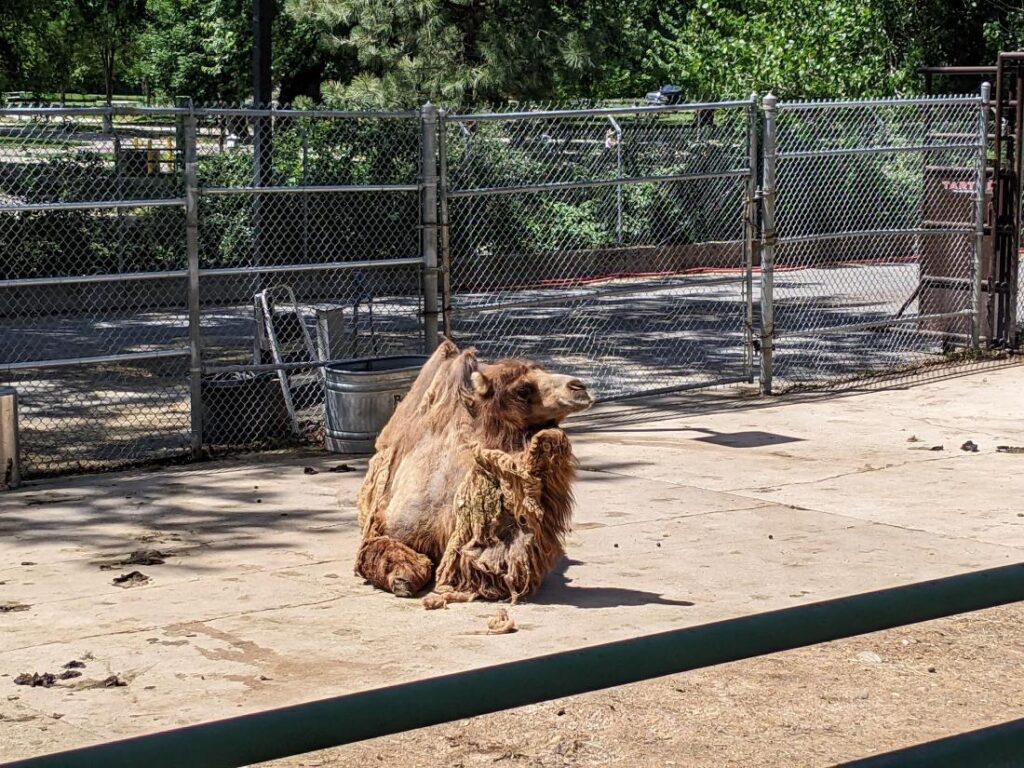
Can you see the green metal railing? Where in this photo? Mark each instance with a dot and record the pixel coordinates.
(278, 733)
(1001, 746)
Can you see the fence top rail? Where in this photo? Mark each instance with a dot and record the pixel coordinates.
(298, 113)
(892, 101)
(42, 111)
(599, 111)
(122, 111)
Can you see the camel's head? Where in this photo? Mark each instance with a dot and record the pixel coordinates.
(525, 396)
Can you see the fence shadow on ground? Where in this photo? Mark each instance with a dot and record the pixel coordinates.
(175, 510)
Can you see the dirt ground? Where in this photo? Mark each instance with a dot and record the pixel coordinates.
(818, 706)
(690, 509)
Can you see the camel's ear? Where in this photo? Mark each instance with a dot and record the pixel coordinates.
(481, 384)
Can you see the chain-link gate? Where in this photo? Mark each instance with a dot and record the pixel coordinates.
(94, 330)
(873, 234)
(166, 272)
(615, 243)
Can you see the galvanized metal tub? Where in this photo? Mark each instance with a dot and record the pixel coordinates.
(361, 396)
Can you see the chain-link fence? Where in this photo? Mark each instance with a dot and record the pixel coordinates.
(308, 250)
(165, 271)
(174, 280)
(873, 222)
(613, 242)
(93, 285)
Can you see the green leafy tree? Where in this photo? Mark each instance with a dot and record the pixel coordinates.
(796, 48)
(463, 50)
(41, 47)
(203, 49)
(197, 48)
(110, 29)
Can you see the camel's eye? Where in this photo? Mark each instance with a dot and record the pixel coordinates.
(523, 391)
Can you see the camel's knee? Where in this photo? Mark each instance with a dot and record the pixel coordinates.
(390, 565)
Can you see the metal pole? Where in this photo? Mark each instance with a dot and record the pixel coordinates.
(428, 222)
(446, 254)
(1013, 273)
(768, 246)
(979, 223)
(618, 175)
(192, 248)
(262, 21)
(750, 241)
(263, 141)
(998, 746)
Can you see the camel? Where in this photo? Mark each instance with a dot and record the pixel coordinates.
(471, 484)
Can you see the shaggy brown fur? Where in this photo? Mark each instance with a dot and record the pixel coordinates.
(472, 473)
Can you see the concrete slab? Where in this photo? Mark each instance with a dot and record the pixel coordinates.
(685, 515)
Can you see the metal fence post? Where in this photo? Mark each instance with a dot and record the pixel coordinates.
(192, 248)
(10, 449)
(446, 253)
(979, 220)
(768, 246)
(618, 175)
(751, 243)
(428, 222)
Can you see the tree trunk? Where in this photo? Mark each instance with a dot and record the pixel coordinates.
(108, 86)
(108, 73)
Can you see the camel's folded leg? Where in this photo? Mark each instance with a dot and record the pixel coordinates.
(390, 565)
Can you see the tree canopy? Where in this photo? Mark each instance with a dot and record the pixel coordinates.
(385, 53)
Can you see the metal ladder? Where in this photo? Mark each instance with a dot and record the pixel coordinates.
(282, 335)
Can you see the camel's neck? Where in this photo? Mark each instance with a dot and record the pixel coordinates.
(494, 433)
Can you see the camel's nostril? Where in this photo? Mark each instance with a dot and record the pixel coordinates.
(577, 386)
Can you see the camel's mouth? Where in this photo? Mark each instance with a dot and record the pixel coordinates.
(579, 402)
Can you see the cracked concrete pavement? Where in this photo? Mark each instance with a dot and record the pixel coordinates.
(690, 509)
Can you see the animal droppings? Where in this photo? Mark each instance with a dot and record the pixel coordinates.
(970, 446)
(138, 557)
(501, 623)
(35, 680)
(310, 471)
(131, 579)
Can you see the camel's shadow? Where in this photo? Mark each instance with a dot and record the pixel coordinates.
(558, 589)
